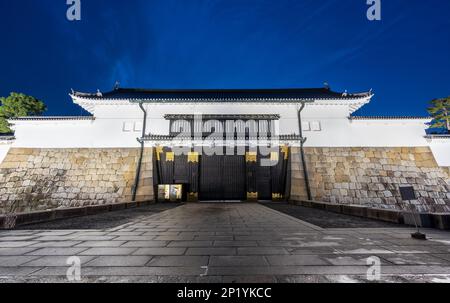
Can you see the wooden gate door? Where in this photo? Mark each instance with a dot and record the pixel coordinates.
(234, 187)
(267, 182)
(264, 180)
(211, 187)
(222, 178)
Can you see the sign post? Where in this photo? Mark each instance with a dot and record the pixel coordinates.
(408, 194)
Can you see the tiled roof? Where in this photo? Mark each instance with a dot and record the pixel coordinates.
(223, 117)
(442, 137)
(50, 118)
(388, 118)
(155, 137)
(222, 94)
(7, 137)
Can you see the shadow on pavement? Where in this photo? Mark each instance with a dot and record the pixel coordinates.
(104, 220)
(326, 219)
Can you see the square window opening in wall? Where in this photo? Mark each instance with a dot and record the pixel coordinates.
(315, 126)
(127, 126)
(138, 126)
(306, 126)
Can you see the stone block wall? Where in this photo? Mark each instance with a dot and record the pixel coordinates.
(41, 179)
(371, 177)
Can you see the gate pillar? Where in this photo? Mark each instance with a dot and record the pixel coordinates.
(193, 164)
(251, 159)
(279, 172)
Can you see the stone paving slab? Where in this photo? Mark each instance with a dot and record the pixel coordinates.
(11, 244)
(312, 251)
(134, 238)
(143, 271)
(307, 260)
(13, 261)
(211, 251)
(54, 261)
(55, 233)
(414, 249)
(238, 261)
(17, 238)
(15, 251)
(100, 244)
(57, 251)
(161, 251)
(235, 243)
(223, 243)
(349, 260)
(419, 278)
(190, 244)
(12, 272)
(108, 251)
(106, 261)
(214, 238)
(415, 259)
(443, 256)
(45, 244)
(264, 251)
(185, 261)
(145, 243)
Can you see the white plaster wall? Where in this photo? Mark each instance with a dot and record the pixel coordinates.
(318, 109)
(124, 123)
(370, 133)
(99, 133)
(4, 148)
(119, 125)
(156, 123)
(441, 151)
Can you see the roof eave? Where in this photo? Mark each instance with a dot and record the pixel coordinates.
(83, 99)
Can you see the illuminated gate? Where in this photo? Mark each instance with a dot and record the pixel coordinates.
(224, 177)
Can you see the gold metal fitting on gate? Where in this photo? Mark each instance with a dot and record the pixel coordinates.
(274, 156)
(159, 150)
(252, 196)
(285, 151)
(193, 157)
(251, 157)
(192, 197)
(170, 156)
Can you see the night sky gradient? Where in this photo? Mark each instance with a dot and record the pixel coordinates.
(405, 57)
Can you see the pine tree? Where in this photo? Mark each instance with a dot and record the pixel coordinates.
(440, 111)
(18, 105)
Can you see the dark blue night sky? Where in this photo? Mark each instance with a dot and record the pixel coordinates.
(405, 57)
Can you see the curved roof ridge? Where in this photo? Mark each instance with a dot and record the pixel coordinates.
(43, 118)
(222, 94)
(381, 117)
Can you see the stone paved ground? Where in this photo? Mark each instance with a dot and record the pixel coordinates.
(103, 220)
(229, 242)
(327, 219)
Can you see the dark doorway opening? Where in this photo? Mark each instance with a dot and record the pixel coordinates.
(225, 178)
(222, 178)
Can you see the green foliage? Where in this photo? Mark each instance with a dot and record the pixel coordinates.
(18, 105)
(4, 127)
(440, 111)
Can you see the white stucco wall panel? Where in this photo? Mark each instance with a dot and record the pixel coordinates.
(376, 133)
(99, 133)
(123, 132)
(4, 148)
(118, 124)
(441, 151)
